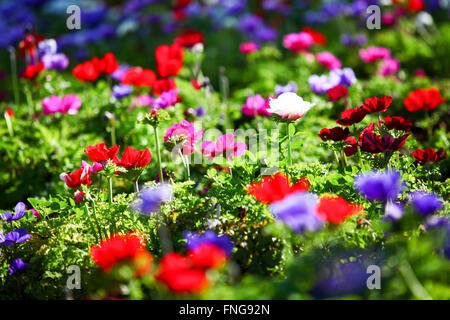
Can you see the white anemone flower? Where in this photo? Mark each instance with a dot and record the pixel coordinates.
(289, 106)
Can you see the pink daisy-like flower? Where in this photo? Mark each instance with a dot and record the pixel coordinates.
(225, 145)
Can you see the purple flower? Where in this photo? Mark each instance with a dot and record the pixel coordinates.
(150, 199)
(200, 111)
(121, 91)
(2, 238)
(290, 87)
(166, 99)
(57, 61)
(321, 84)
(425, 203)
(340, 280)
(298, 211)
(346, 76)
(437, 222)
(393, 211)
(16, 236)
(19, 213)
(17, 266)
(120, 72)
(194, 240)
(48, 46)
(379, 186)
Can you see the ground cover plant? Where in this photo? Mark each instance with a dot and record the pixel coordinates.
(224, 149)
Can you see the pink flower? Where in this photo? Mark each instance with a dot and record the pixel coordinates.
(389, 66)
(225, 145)
(248, 47)
(51, 104)
(328, 60)
(372, 54)
(297, 42)
(79, 196)
(183, 129)
(96, 167)
(142, 101)
(256, 104)
(70, 104)
(54, 104)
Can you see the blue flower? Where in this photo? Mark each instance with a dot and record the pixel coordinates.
(121, 91)
(425, 203)
(290, 87)
(379, 186)
(298, 211)
(150, 199)
(394, 211)
(18, 214)
(194, 240)
(16, 236)
(17, 266)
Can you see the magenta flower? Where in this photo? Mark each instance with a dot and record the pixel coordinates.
(183, 132)
(248, 47)
(328, 60)
(297, 42)
(69, 104)
(225, 145)
(372, 54)
(256, 105)
(388, 66)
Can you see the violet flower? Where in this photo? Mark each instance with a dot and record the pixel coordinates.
(19, 213)
(379, 186)
(150, 199)
(121, 91)
(425, 203)
(194, 240)
(16, 236)
(290, 87)
(18, 266)
(298, 211)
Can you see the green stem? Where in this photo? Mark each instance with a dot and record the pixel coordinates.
(136, 185)
(344, 158)
(336, 158)
(158, 154)
(430, 125)
(9, 124)
(14, 78)
(29, 97)
(412, 282)
(289, 143)
(110, 190)
(360, 158)
(96, 231)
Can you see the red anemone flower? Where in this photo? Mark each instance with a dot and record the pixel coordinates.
(276, 188)
(122, 248)
(75, 179)
(352, 146)
(133, 158)
(351, 116)
(377, 104)
(207, 256)
(423, 100)
(9, 112)
(32, 71)
(169, 59)
(317, 36)
(178, 273)
(92, 69)
(189, 38)
(373, 143)
(336, 209)
(335, 134)
(139, 77)
(429, 155)
(163, 85)
(100, 153)
(337, 92)
(398, 123)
